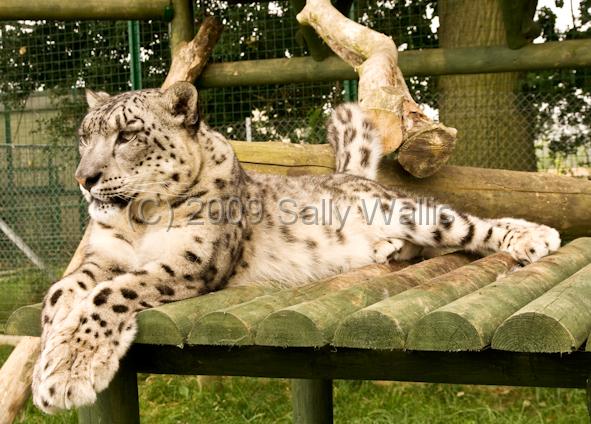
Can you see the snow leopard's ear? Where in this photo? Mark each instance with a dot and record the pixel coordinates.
(95, 98)
(181, 101)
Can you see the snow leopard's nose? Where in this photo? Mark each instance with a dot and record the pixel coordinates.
(88, 181)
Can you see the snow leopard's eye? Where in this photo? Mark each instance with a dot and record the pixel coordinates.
(126, 137)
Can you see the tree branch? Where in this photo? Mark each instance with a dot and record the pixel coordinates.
(424, 145)
(192, 57)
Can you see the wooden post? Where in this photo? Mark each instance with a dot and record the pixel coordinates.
(588, 390)
(118, 403)
(181, 26)
(311, 401)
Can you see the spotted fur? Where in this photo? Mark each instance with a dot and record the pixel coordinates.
(175, 216)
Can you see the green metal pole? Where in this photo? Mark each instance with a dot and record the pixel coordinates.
(133, 29)
(8, 141)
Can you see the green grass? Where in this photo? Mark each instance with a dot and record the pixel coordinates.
(178, 399)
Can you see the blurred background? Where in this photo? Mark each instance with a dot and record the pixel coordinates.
(523, 121)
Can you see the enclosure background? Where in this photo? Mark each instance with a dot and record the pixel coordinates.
(45, 65)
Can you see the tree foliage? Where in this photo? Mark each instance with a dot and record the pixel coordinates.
(562, 98)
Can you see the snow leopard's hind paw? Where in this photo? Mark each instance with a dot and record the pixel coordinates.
(528, 244)
(395, 250)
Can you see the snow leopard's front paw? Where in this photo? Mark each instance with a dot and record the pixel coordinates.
(72, 368)
(531, 243)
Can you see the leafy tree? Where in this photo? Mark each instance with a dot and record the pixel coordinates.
(562, 98)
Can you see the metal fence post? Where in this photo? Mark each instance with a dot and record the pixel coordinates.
(135, 64)
(8, 141)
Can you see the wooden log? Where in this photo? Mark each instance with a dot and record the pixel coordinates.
(236, 325)
(561, 203)
(312, 323)
(566, 54)
(558, 201)
(118, 403)
(285, 158)
(312, 401)
(558, 321)
(385, 325)
(490, 366)
(470, 322)
(170, 324)
(91, 9)
(15, 378)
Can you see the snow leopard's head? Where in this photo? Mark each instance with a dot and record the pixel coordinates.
(138, 145)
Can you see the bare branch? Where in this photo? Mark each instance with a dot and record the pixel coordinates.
(192, 57)
(424, 145)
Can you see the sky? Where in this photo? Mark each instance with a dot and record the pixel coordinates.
(564, 15)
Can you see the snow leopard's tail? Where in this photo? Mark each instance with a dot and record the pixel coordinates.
(355, 140)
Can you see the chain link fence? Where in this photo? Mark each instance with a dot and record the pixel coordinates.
(44, 66)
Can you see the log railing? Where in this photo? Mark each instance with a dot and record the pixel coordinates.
(558, 201)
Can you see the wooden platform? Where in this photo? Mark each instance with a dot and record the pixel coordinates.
(451, 319)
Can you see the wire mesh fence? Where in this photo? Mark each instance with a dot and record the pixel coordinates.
(534, 121)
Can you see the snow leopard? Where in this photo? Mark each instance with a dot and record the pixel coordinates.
(174, 215)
